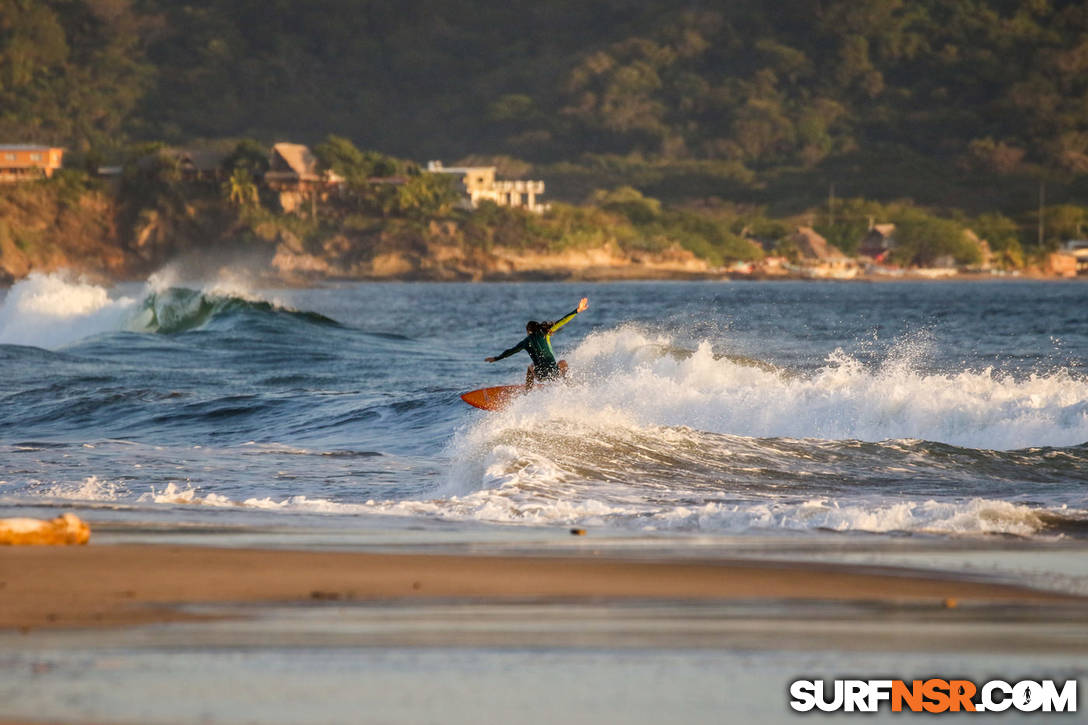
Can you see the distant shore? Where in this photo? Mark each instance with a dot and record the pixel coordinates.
(577, 275)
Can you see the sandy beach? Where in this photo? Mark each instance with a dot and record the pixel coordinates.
(119, 585)
(105, 632)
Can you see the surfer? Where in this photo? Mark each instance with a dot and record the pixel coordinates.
(538, 343)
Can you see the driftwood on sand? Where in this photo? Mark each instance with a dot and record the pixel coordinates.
(64, 530)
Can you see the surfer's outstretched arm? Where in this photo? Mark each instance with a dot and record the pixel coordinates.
(582, 304)
(507, 353)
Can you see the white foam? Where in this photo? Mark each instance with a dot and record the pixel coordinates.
(91, 488)
(53, 310)
(517, 499)
(172, 493)
(509, 505)
(626, 381)
(975, 516)
(649, 437)
(50, 311)
(188, 495)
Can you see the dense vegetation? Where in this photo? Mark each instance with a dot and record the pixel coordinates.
(948, 111)
(163, 209)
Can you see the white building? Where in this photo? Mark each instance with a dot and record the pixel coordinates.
(479, 184)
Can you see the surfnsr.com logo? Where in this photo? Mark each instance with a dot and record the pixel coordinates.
(933, 695)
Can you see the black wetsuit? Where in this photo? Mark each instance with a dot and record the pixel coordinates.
(539, 347)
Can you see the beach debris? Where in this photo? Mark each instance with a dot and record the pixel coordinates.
(950, 603)
(65, 530)
(578, 532)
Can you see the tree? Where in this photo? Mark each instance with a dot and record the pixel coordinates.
(618, 91)
(852, 220)
(240, 188)
(921, 239)
(357, 167)
(1003, 236)
(249, 155)
(32, 43)
(340, 155)
(426, 195)
(629, 202)
(788, 248)
(997, 157)
(1064, 222)
(71, 72)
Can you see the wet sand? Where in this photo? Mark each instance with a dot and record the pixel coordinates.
(106, 586)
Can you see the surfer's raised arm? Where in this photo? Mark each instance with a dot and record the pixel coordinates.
(538, 344)
(582, 305)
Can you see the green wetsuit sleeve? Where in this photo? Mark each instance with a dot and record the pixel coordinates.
(516, 348)
(562, 321)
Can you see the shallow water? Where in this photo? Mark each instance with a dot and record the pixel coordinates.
(944, 409)
(532, 663)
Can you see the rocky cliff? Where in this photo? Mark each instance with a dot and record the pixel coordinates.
(48, 227)
(440, 253)
(93, 233)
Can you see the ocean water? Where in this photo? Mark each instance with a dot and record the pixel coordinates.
(819, 411)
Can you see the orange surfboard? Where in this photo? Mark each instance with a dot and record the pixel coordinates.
(495, 398)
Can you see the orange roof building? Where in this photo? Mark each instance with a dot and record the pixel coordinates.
(28, 162)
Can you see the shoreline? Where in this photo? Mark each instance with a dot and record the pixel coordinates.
(625, 275)
(132, 584)
(574, 276)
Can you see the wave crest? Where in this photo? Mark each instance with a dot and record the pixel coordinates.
(654, 437)
(51, 311)
(624, 379)
(177, 310)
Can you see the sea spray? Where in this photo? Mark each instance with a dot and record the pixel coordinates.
(624, 376)
(50, 311)
(90, 488)
(649, 435)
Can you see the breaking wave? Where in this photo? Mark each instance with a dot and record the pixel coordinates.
(625, 380)
(177, 310)
(662, 438)
(52, 311)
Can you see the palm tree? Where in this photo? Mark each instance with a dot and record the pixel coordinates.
(240, 188)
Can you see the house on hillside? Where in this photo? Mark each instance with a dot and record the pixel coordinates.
(478, 183)
(28, 162)
(877, 242)
(1078, 248)
(196, 165)
(821, 259)
(200, 164)
(1060, 264)
(295, 174)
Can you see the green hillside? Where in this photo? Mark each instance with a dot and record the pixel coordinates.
(955, 105)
